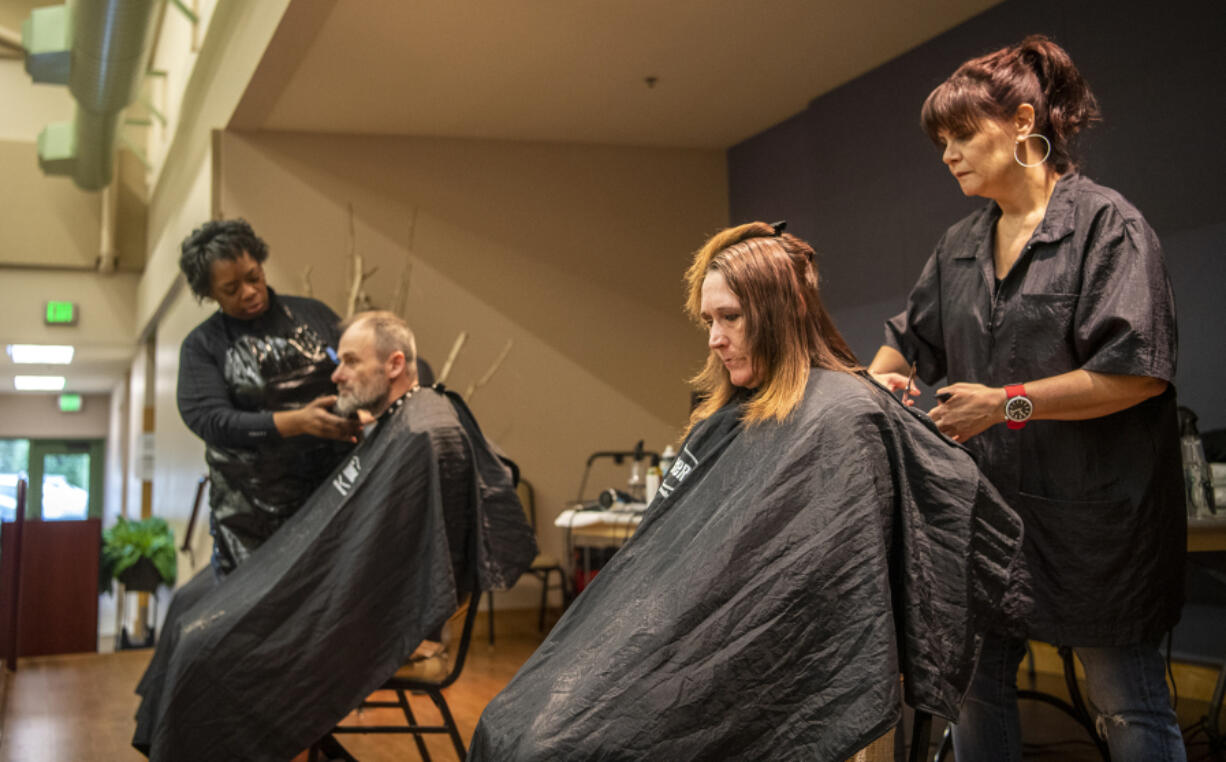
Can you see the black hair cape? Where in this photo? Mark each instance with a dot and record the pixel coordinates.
(773, 594)
(264, 663)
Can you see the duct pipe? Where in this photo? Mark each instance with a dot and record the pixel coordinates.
(110, 51)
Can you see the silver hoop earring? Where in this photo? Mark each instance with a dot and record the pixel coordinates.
(1046, 142)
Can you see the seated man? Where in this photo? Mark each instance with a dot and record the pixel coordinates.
(421, 513)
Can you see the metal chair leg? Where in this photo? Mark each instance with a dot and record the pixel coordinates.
(408, 716)
(540, 620)
(449, 721)
(490, 609)
(921, 735)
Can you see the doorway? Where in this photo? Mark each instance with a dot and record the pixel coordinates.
(60, 542)
(64, 478)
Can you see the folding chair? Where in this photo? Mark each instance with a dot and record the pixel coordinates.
(433, 667)
(542, 566)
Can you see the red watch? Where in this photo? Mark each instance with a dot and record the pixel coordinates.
(1018, 407)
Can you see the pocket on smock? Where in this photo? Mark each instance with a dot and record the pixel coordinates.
(1080, 554)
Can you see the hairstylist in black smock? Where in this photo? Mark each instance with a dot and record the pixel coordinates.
(1049, 312)
(254, 384)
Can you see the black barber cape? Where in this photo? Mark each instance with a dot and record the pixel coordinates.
(265, 662)
(768, 602)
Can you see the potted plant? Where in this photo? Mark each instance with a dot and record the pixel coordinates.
(140, 554)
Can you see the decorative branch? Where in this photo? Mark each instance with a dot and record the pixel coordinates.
(358, 299)
(400, 298)
(455, 351)
(473, 387)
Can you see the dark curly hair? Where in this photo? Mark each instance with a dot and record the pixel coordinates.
(216, 240)
(1035, 71)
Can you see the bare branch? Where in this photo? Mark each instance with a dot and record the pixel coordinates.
(355, 287)
(455, 351)
(400, 298)
(473, 387)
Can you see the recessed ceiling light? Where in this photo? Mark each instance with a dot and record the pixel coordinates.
(38, 383)
(41, 354)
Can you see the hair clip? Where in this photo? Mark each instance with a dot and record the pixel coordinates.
(780, 226)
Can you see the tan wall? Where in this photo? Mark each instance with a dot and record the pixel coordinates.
(38, 416)
(107, 307)
(573, 252)
(179, 460)
(44, 220)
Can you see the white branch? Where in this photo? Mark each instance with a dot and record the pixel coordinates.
(455, 351)
(472, 388)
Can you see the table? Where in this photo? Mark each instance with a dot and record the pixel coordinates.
(589, 529)
(1207, 534)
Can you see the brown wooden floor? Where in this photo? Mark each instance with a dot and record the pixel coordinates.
(80, 707)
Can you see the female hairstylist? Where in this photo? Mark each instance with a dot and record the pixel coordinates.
(254, 384)
(1050, 313)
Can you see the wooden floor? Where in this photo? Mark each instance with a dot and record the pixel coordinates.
(80, 707)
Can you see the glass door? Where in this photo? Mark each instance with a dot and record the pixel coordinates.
(65, 479)
(14, 465)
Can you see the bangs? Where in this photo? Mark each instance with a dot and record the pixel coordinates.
(957, 106)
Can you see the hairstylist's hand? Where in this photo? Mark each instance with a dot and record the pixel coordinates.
(896, 382)
(317, 420)
(967, 409)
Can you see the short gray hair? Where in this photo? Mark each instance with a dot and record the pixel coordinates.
(391, 333)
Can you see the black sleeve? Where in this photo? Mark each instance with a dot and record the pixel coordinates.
(204, 400)
(1125, 319)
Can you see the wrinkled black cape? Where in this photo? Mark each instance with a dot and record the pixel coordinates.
(262, 664)
(766, 605)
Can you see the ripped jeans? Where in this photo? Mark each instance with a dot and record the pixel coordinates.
(1126, 695)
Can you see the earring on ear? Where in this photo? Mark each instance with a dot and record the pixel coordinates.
(1019, 143)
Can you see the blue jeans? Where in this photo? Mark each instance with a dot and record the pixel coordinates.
(1127, 697)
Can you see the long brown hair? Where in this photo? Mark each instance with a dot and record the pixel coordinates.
(1035, 71)
(789, 331)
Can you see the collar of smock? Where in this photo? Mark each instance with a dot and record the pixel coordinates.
(1058, 221)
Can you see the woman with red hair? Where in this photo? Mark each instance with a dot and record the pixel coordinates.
(1050, 314)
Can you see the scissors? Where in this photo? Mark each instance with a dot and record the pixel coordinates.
(906, 391)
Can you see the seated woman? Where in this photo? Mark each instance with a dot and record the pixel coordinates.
(814, 539)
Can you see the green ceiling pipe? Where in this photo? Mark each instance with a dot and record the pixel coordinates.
(112, 40)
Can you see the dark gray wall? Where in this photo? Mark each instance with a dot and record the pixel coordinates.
(854, 175)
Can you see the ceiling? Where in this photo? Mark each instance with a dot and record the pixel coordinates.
(575, 70)
(554, 70)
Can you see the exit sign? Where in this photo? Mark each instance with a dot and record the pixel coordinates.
(70, 403)
(61, 313)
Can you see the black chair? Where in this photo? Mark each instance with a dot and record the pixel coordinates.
(542, 566)
(434, 666)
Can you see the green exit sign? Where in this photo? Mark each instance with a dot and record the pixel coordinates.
(61, 313)
(70, 403)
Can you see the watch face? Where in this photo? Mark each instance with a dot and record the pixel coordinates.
(1018, 408)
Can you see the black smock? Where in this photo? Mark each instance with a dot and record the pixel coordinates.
(782, 578)
(233, 375)
(1102, 499)
(264, 662)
